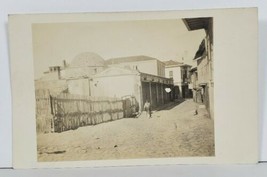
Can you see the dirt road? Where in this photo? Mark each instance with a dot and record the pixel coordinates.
(172, 132)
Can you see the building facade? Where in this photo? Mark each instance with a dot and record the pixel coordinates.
(179, 72)
(204, 59)
(140, 77)
(123, 82)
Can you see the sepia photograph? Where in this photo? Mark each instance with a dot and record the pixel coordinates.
(124, 89)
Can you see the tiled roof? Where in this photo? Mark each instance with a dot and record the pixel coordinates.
(115, 71)
(172, 63)
(129, 59)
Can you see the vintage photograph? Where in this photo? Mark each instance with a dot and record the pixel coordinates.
(108, 90)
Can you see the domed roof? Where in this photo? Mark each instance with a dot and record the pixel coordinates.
(87, 59)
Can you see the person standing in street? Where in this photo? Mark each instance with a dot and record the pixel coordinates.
(147, 108)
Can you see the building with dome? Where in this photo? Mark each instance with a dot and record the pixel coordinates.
(139, 77)
(84, 65)
(79, 72)
(72, 77)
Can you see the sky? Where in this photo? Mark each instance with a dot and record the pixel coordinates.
(161, 39)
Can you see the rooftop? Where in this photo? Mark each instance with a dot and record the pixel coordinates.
(205, 23)
(129, 59)
(172, 63)
(197, 23)
(116, 71)
(87, 59)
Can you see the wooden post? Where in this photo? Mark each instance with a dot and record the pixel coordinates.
(150, 94)
(89, 86)
(162, 94)
(157, 91)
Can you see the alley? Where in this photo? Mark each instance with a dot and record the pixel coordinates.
(173, 131)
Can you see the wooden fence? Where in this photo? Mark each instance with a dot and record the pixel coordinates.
(65, 111)
(44, 117)
(73, 111)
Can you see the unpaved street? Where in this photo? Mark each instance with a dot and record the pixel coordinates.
(172, 132)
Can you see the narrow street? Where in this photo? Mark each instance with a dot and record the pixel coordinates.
(171, 132)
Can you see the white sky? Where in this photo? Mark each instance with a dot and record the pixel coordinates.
(162, 39)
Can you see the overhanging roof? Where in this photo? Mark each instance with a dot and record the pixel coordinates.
(197, 23)
(205, 23)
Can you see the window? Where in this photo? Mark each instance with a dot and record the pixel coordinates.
(171, 74)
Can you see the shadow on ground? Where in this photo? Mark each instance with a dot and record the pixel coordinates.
(169, 106)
